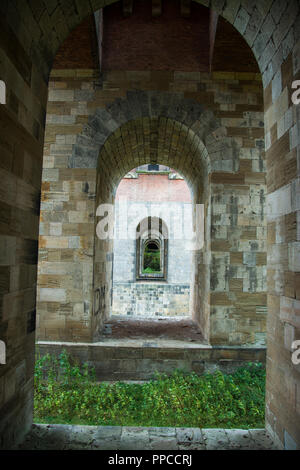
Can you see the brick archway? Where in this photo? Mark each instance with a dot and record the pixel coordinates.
(165, 128)
(169, 111)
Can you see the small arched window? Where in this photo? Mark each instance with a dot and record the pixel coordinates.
(151, 249)
(152, 257)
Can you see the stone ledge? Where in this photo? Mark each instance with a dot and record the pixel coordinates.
(68, 437)
(113, 360)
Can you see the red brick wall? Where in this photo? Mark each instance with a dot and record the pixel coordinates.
(231, 52)
(154, 188)
(79, 51)
(168, 42)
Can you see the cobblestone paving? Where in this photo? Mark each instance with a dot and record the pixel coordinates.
(68, 437)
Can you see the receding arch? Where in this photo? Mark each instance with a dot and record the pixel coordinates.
(161, 125)
(192, 122)
(151, 127)
(154, 136)
(152, 231)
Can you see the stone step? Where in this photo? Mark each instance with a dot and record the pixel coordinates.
(69, 437)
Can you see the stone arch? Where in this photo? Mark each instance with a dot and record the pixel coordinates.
(153, 127)
(199, 123)
(156, 224)
(152, 229)
(187, 123)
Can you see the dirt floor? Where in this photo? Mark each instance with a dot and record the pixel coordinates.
(154, 328)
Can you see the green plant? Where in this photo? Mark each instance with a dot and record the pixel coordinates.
(67, 393)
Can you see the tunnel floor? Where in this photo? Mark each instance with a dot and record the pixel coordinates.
(153, 329)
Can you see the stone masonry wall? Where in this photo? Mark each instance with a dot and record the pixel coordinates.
(67, 224)
(135, 362)
(22, 122)
(171, 296)
(176, 216)
(282, 125)
(238, 233)
(150, 299)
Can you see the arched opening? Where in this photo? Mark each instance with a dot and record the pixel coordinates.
(153, 251)
(151, 254)
(190, 157)
(152, 245)
(165, 127)
(272, 34)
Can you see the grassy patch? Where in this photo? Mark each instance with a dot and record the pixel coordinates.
(70, 394)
